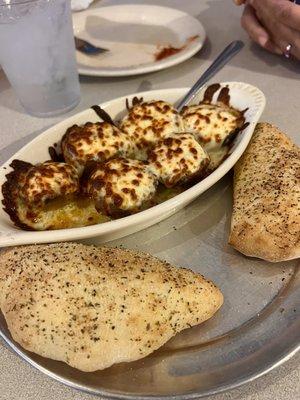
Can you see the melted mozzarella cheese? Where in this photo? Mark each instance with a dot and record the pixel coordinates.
(94, 142)
(61, 213)
(45, 197)
(210, 123)
(149, 122)
(48, 180)
(121, 184)
(177, 159)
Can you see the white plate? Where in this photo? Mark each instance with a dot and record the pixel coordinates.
(242, 96)
(135, 34)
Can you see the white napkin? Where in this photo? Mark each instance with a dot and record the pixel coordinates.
(78, 5)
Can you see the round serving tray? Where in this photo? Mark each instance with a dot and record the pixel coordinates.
(257, 328)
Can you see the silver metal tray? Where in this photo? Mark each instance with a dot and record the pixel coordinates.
(257, 328)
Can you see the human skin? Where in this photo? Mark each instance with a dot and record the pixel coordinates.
(273, 24)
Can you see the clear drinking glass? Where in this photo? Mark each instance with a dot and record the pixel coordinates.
(37, 53)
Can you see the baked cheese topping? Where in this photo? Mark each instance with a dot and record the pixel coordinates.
(98, 141)
(149, 122)
(211, 123)
(47, 181)
(112, 171)
(34, 195)
(121, 185)
(177, 159)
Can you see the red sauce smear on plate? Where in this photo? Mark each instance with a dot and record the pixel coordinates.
(170, 51)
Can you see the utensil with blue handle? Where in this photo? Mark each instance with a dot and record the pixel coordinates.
(88, 48)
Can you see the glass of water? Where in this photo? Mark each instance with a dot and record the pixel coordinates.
(37, 53)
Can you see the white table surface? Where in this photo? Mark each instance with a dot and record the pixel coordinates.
(278, 78)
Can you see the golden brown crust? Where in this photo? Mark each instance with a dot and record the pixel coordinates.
(121, 186)
(28, 187)
(148, 122)
(211, 124)
(266, 212)
(178, 159)
(93, 307)
(10, 191)
(99, 141)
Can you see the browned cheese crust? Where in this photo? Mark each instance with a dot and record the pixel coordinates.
(98, 141)
(28, 187)
(10, 191)
(266, 211)
(93, 307)
(148, 122)
(178, 159)
(121, 186)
